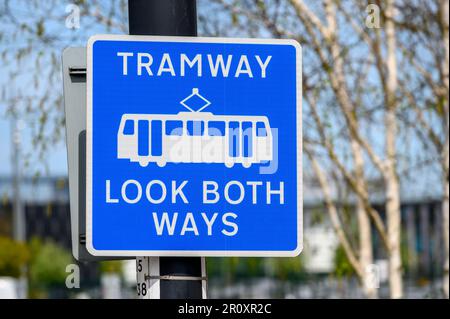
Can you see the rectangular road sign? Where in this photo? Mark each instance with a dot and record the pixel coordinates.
(194, 146)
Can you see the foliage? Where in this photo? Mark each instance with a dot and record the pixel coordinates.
(287, 268)
(48, 264)
(226, 268)
(232, 268)
(13, 257)
(342, 267)
(345, 79)
(111, 267)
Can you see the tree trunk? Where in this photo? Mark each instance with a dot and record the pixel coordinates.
(364, 229)
(390, 175)
(365, 251)
(445, 156)
(334, 217)
(394, 229)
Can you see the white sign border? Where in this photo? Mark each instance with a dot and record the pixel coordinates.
(191, 253)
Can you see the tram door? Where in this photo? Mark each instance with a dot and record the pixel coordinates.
(156, 137)
(247, 139)
(149, 138)
(234, 137)
(143, 138)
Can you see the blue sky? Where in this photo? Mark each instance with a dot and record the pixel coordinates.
(55, 164)
(55, 161)
(56, 158)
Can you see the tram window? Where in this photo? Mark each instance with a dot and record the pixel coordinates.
(129, 127)
(195, 128)
(174, 128)
(234, 138)
(216, 128)
(261, 129)
(247, 139)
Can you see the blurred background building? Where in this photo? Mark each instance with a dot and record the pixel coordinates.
(320, 271)
(375, 74)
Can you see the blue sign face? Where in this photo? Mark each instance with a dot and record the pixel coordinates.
(193, 147)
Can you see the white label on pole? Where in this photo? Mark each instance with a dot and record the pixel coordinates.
(147, 275)
(142, 271)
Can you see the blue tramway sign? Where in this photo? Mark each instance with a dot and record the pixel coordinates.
(193, 147)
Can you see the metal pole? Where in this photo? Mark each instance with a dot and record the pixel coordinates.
(19, 224)
(168, 17)
(18, 211)
(167, 277)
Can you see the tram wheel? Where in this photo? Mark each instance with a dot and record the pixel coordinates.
(246, 164)
(161, 163)
(229, 164)
(143, 163)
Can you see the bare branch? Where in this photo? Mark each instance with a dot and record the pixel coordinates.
(334, 216)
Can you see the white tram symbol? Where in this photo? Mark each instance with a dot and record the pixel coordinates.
(194, 137)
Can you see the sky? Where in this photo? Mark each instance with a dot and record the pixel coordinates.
(56, 159)
(55, 162)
